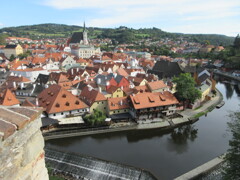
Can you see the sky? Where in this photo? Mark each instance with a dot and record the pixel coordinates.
(183, 16)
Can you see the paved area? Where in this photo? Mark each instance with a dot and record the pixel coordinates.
(187, 113)
(153, 125)
(180, 120)
(71, 120)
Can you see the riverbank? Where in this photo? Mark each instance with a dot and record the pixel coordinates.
(188, 116)
(203, 169)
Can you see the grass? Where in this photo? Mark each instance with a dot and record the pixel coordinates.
(52, 177)
(199, 114)
(197, 108)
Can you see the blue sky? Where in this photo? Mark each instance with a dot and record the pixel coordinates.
(185, 16)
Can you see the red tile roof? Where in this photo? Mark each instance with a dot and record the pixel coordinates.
(56, 99)
(89, 95)
(7, 98)
(156, 85)
(118, 103)
(148, 100)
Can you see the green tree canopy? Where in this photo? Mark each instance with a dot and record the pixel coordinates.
(186, 89)
(232, 157)
(12, 57)
(96, 118)
(236, 43)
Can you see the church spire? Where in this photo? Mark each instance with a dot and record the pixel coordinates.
(84, 27)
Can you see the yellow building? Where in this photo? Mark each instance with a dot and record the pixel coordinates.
(113, 92)
(205, 90)
(12, 49)
(94, 99)
(118, 105)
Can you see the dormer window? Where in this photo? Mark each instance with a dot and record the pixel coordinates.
(64, 96)
(67, 104)
(57, 105)
(77, 102)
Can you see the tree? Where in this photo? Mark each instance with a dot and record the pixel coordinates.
(236, 43)
(96, 118)
(12, 57)
(232, 158)
(186, 89)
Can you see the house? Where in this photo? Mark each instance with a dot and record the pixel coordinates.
(32, 90)
(112, 79)
(152, 106)
(67, 62)
(157, 86)
(13, 49)
(236, 73)
(59, 103)
(137, 81)
(118, 107)
(7, 98)
(166, 69)
(94, 99)
(205, 89)
(30, 73)
(114, 91)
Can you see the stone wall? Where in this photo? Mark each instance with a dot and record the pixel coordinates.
(21, 144)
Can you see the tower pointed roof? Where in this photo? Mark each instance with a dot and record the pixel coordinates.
(84, 27)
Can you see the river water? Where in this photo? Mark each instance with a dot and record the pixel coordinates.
(165, 154)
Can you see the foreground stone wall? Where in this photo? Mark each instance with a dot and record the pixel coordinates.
(21, 144)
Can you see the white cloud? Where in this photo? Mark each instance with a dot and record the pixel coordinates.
(157, 13)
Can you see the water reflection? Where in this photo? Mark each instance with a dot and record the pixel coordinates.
(237, 89)
(229, 90)
(178, 141)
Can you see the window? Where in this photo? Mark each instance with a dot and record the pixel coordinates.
(62, 113)
(54, 114)
(104, 107)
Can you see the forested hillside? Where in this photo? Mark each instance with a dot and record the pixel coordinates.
(121, 34)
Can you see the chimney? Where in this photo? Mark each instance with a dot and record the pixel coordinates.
(100, 89)
(37, 102)
(14, 84)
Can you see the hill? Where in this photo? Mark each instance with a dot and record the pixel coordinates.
(121, 34)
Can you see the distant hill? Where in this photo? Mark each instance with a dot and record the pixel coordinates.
(121, 34)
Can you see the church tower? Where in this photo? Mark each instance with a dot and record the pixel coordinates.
(85, 39)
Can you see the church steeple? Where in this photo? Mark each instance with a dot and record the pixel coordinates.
(84, 27)
(85, 38)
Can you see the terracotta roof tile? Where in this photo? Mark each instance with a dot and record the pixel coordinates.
(57, 99)
(156, 85)
(118, 103)
(148, 100)
(89, 95)
(7, 98)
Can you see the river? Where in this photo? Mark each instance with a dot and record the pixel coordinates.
(165, 154)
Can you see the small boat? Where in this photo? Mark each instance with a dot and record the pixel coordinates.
(220, 105)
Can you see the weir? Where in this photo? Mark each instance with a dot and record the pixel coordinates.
(84, 167)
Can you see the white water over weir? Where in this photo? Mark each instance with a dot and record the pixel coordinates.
(85, 167)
